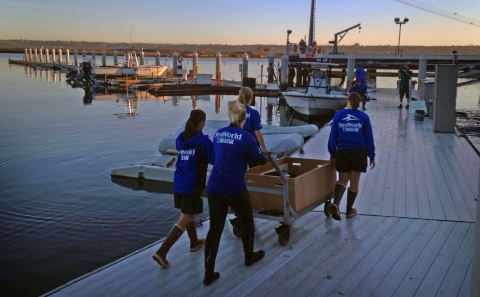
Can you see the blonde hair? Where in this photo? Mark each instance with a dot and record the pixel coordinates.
(236, 112)
(245, 96)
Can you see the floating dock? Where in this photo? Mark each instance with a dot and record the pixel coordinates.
(413, 235)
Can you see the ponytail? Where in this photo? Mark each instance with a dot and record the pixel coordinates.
(245, 96)
(191, 127)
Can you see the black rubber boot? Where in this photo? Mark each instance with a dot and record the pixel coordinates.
(334, 207)
(351, 196)
(195, 242)
(161, 255)
(210, 277)
(254, 257)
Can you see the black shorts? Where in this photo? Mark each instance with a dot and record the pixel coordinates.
(351, 160)
(405, 91)
(190, 204)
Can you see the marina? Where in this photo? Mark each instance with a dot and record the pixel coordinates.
(413, 235)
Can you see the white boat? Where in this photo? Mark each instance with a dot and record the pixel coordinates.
(320, 97)
(281, 141)
(130, 67)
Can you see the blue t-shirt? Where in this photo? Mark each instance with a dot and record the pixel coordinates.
(253, 121)
(360, 90)
(361, 74)
(185, 177)
(233, 148)
(351, 129)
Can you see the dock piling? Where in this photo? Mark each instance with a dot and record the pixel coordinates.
(157, 58)
(244, 66)
(104, 58)
(446, 77)
(75, 57)
(175, 63)
(35, 56)
(30, 59)
(84, 54)
(422, 69)
(115, 57)
(195, 63)
(60, 55)
(142, 57)
(284, 73)
(47, 56)
(218, 67)
(350, 70)
(67, 57)
(26, 55)
(40, 56)
(93, 56)
(54, 57)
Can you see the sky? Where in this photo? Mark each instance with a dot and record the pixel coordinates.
(236, 22)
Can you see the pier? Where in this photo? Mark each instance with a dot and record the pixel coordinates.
(413, 235)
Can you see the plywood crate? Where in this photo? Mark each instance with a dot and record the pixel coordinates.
(313, 183)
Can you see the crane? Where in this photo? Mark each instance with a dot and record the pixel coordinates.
(341, 34)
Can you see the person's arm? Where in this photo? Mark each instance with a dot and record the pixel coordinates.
(261, 140)
(255, 154)
(368, 135)
(208, 150)
(332, 140)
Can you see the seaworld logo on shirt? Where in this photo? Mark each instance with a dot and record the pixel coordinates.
(185, 154)
(227, 137)
(350, 118)
(248, 114)
(350, 127)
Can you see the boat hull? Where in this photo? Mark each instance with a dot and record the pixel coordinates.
(153, 71)
(311, 105)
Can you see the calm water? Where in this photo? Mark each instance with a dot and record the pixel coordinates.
(61, 215)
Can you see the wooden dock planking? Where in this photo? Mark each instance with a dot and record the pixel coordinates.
(413, 235)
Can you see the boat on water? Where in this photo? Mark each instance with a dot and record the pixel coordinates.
(320, 97)
(281, 141)
(130, 67)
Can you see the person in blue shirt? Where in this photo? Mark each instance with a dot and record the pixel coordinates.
(360, 74)
(253, 123)
(226, 187)
(361, 89)
(194, 152)
(349, 144)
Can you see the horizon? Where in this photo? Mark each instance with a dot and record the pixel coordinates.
(236, 23)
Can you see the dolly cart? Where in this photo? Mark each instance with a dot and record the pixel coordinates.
(289, 215)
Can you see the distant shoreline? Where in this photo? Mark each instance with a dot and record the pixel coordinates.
(228, 51)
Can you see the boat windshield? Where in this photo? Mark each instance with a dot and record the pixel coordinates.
(318, 74)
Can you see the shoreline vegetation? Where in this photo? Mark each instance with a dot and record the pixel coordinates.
(227, 51)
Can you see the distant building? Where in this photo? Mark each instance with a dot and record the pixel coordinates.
(357, 44)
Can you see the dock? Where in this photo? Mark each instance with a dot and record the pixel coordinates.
(413, 235)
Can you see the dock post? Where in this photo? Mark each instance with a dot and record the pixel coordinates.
(244, 66)
(67, 56)
(475, 284)
(26, 55)
(104, 58)
(350, 69)
(142, 57)
(93, 56)
(47, 56)
(60, 55)
(175, 63)
(40, 56)
(157, 58)
(84, 54)
(284, 73)
(54, 57)
(195, 64)
(271, 61)
(30, 55)
(35, 55)
(115, 57)
(75, 57)
(422, 69)
(218, 67)
(446, 77)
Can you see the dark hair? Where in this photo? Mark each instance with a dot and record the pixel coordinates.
(354, 99)
(191, 127)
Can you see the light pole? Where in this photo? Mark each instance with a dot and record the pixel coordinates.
(397, 21)
(287, 50)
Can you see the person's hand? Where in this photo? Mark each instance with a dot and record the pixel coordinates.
(268, 155)
(372, 164)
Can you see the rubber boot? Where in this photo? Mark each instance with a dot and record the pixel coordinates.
(195, 242)
(334, 207)
(161, 255)
(363, 106)
(210, 277)
(351, 196)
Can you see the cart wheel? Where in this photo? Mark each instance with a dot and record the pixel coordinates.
(236, 231)
(325, 208)
(283, 235)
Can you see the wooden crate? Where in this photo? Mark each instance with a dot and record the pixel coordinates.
(313, 183)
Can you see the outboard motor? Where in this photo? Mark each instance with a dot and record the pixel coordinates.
(87, 70)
